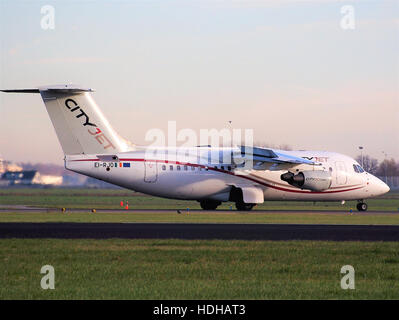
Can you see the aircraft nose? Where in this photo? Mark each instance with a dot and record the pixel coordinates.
(380, 186)
(385, 188)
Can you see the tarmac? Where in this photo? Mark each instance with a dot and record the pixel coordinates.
(201, 231)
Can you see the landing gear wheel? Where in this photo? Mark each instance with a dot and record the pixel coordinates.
(361, 206)
(209, 205)
(241, 206)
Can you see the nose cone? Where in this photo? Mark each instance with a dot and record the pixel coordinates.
(379, 187)
(384, 188)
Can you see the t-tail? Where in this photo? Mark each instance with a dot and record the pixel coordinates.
(80, 125)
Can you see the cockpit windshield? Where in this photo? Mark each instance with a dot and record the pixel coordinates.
(358, 168)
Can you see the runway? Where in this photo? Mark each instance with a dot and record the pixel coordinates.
(191, 231)
(29, 209)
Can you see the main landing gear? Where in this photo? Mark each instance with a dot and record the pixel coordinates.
(212, 205)
(209, 204)
(237, 197)
(241, 206)
(361, 206)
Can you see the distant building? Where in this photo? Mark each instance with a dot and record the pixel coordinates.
(19, 177)
(48, 180)
(28, 177)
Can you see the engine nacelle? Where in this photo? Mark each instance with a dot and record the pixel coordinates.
(318, 180)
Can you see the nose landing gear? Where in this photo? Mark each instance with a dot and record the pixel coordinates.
(361, 206)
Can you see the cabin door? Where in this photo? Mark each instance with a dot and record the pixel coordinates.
(150, 171)
(340, 173)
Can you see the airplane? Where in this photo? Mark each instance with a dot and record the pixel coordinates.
(245, 175)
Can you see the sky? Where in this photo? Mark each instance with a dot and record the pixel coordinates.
(285, 69)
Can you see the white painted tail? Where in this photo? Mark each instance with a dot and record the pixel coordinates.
(79, 123)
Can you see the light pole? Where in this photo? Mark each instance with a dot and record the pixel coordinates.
(231, 141)
(385, 166)
(361, 152)
(231, 132)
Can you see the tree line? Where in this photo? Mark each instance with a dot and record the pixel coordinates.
(385, 168)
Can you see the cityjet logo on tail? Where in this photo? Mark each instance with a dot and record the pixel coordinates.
(73, 106)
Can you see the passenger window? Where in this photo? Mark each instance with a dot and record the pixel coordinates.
(330, 169)
(178, 168)
(192, 168)
(171, 168)
(229, 168)
(163, 167)
(185, 168)
(222, 167)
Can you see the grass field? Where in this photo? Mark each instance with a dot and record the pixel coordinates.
(110, 199)
(177, 269)
(192, 269)
(202, 217)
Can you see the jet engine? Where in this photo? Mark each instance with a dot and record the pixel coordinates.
(318, 180)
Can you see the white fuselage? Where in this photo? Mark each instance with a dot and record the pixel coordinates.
(189, 174)
(243, 174)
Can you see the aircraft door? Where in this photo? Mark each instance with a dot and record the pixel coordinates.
(340, 173)
(150, 171)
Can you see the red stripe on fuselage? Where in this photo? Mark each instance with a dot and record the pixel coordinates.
(228, 172)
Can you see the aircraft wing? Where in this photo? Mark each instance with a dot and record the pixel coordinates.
(263, 155)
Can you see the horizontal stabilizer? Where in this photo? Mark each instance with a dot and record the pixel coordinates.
(21, 90)
(63, 88)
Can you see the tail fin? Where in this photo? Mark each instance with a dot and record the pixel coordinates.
(80, 125)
